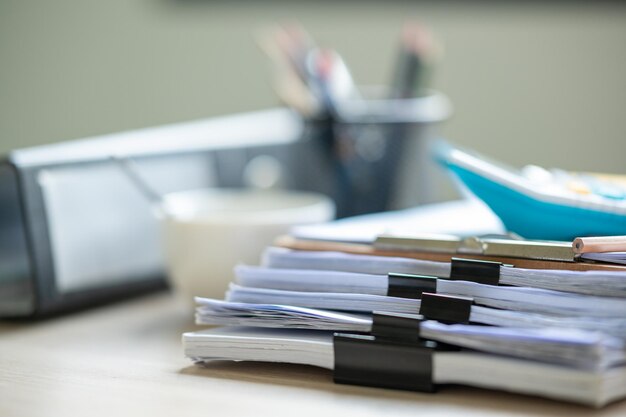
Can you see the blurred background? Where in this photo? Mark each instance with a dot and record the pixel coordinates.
(536, 82)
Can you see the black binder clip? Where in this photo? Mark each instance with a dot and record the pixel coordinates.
(482, 272)
(410, 286)
(379, 362)
(405, 328)
(446, 308)
(397, 326)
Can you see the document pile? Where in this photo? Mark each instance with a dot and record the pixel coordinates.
(409, 322)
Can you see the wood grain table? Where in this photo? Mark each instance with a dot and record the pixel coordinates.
(126, 359)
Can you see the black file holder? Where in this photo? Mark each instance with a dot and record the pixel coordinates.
(397, 326)
(410, 286)
(403, 327)
(379, 362)
(482, 272)
(446, 308)
(393, 356)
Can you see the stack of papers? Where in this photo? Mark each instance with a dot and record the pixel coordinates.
(534, 300)
(367, 303)
(555, 333)
(602, 283)
(582, 349)
(594, 388)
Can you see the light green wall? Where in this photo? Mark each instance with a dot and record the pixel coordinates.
(534, 83)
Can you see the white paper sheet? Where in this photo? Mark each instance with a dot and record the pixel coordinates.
(469, 217)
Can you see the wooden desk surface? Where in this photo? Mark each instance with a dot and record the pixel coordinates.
(126, 359)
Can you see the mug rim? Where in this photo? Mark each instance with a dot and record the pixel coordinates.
(281, 207)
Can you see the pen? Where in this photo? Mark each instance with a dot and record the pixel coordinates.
(417, 51)
(288, 48)
(330, 80)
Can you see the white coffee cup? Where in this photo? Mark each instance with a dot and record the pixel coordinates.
(208, 232)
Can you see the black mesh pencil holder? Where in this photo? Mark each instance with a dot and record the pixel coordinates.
(372, 155)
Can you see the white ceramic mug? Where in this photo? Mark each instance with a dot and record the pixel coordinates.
(209, 231)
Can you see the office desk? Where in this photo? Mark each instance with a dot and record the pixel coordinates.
(126, 359)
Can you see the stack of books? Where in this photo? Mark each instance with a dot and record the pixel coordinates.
(419, 313)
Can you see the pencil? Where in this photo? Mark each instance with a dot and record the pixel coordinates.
(599, 244)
